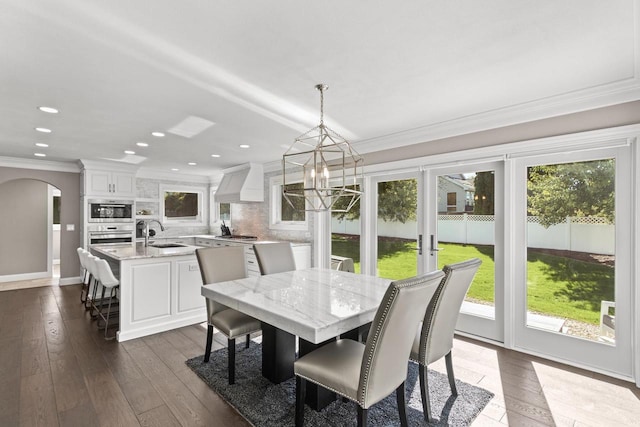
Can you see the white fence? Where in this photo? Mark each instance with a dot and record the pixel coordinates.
(580, 234)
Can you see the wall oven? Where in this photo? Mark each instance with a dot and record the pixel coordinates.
(110, 233)
(110, 211)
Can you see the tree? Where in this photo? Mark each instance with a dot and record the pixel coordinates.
(484, 193)
(397, 201)
(556, 192)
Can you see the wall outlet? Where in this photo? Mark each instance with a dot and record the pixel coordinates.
(193, 267)
(71, 227)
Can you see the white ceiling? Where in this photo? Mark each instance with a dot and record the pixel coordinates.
(120, 69)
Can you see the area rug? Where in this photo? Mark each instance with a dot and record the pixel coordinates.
(265, 404)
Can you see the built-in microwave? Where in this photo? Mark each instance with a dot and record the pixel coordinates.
(110, 211)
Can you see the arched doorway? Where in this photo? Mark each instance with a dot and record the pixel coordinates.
(30, 226)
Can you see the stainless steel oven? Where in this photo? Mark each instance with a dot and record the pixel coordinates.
(110, 211)
(110, 233)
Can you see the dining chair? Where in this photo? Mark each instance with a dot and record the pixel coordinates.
(434, 339)
(367, 373)
(274, 257)
(220, 264)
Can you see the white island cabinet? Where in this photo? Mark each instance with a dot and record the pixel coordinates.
(159, 288)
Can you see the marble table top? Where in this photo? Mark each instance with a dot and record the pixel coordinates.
(314, 304)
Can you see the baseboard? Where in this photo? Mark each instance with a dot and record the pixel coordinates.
(26, 276)
(70, 281)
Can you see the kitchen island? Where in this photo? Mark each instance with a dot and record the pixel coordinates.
(159, 287)
(160, 284)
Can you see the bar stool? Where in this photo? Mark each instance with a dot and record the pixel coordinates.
(110, 283)
(86, 277)
(93, 285)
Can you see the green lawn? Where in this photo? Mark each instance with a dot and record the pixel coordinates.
(557, 286)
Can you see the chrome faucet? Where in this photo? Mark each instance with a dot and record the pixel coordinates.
(146, 230)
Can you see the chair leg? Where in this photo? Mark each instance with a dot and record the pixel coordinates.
(424, 393)
(231, 343)
(207, 349)
(248, 341)
(402, 405)
(301, 391)
(452, 379)
(362, 417)
(106, 325)
(84, 279)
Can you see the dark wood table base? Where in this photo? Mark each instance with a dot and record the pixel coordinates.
(278, 355)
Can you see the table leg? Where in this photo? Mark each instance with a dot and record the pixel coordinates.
(278, 353)
(316, 397)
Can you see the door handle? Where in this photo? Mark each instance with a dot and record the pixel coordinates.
(432, 247)
(419, 247)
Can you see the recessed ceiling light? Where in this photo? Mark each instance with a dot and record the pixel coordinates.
(49, 110)
(142, 144)
(42, 144)
(43, 130)
(192, 163)
(157, 134)
(175, 169)
(244, 146)
(129, 152)
(39, 154)
(215, 155)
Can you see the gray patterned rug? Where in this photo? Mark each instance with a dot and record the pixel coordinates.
(273, 405)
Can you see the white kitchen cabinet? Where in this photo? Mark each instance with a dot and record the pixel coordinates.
(109, 184)
(253, 269)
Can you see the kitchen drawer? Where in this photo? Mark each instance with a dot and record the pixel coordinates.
(252, 262)
(204, 242)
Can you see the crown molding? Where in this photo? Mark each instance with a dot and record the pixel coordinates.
(147, 173)
(590, 99)
(47, 165)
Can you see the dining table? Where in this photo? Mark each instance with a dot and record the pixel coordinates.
(314, 305)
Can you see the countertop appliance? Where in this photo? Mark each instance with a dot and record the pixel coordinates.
(111, 211)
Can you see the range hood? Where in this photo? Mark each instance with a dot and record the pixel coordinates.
(241, 184)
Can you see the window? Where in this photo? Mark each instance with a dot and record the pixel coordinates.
(182, 205)
(56, 210)
(224, 211)
(451, 202)
(284, 216)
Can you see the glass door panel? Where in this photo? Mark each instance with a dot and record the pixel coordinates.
(466, 222)
(397, 228)
(571, 248)
(573, 297)
(345, 238)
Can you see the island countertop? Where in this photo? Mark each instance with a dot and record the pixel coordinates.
(121, 252)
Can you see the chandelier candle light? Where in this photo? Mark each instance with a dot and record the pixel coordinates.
(325, 168)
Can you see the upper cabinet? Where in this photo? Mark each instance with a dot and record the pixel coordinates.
(116, 184)
(108, 183)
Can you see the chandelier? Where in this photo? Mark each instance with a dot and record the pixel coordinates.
(321, 171)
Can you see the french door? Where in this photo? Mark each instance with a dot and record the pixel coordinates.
(465, 206)
(397, 226)
(572, 249)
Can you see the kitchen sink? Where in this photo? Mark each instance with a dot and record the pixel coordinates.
(168, 245)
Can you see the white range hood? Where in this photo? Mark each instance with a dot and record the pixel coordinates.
(241, 184)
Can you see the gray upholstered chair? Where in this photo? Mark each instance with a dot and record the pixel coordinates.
(274, 257)
(367, 373)
(434, 340)
(221, 264)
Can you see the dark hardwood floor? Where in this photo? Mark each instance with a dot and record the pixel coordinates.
(56, 369)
